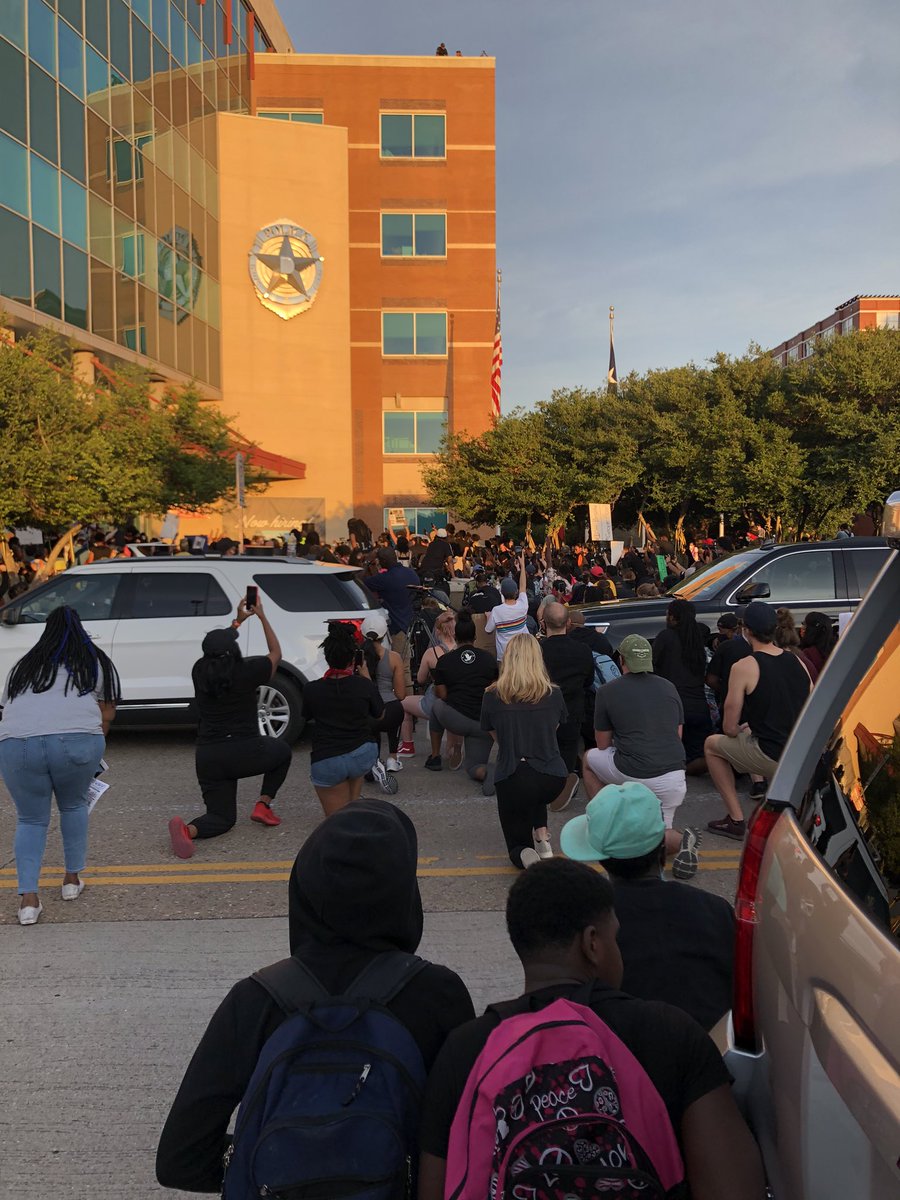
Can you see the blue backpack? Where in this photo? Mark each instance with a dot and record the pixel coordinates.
(332, 1109)
(605, 670)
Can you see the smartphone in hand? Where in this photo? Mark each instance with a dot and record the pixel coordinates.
(252, 596)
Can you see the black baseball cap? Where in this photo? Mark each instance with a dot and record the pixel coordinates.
(760, 617)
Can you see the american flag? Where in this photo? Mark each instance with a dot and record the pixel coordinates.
(496, 361)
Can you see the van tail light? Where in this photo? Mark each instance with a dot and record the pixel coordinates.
(743, 1015)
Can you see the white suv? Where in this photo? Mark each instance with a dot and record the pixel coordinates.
(150, 615)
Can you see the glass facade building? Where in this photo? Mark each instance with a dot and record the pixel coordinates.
(108, 181)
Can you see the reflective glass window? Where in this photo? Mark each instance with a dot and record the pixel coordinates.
(97, 76)
(12, 21)
(72, 10)
(430, 429)
(44, 194)
(12, 91)
(71, 59)
(13, 176)
(47, 279)
(430, 141)
(194, 48)
(95, 24)
(431, 333)
(396, 234)
(178, 37)
(15, 261)
(140, 51)
(308, 118)
(42, 35)
(42, 113)
(142, 8)
(399, 433)
(75, 287)
(71, 136)
(431, 234)
(119, 38)
(101, 229)
(275, 116)
(398, 333)
(161, 21)
(102, 300)
(396, 135)
(74, 212)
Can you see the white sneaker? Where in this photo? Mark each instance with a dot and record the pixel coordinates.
(543, 847)
(29, 915)
(71, 891)
(529, 857)
(386, 782)
(393, 763)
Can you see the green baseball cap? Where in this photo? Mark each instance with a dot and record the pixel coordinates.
(624, 820)
(636, 653)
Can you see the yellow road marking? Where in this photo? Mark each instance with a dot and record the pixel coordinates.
(126, 868)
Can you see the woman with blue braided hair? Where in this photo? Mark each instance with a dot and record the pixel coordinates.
(58, 703)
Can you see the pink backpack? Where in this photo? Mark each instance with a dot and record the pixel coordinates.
(558, 1107)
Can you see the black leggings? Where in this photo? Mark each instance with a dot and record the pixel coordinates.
(567, 738)
(221, 764)
(389, 722)
(522, 800)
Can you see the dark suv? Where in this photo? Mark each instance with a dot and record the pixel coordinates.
(827, 577)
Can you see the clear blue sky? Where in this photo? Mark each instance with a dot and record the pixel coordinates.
(721, 172)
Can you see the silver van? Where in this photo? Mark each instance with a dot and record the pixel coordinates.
(813, 1039)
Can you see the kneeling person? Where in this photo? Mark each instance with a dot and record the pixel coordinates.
(460, 679)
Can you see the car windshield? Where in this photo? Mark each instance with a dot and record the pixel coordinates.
(707, 584)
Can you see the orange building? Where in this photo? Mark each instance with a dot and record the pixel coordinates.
(859, 312)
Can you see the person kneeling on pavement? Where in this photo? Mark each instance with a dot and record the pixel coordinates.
(638, 724)
(460, 679)
(639, 1085)
(677, 941)
(318, 1075)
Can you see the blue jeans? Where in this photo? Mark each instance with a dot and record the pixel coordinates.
(329, 772)
(35, 768)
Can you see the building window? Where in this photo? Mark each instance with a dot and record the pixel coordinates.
(298, 116)
(126, 159)
(421, 520)
(847, 325)
(135, 338)
(413, 135)
(409, 333)
(419, 235)
(888, 320)
(793, 352)
(414, 432)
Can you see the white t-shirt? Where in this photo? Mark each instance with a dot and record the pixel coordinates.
(506, 620)
(33, 714)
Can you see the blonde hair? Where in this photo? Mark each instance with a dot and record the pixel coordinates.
(523, 676)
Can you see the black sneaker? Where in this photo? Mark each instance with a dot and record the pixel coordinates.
(433, 763)
(687, 860)
(726, 827)
(758, 790)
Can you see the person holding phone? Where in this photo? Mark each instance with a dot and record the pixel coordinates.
(229, 744)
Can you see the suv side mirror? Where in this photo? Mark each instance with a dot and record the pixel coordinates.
(753, 591)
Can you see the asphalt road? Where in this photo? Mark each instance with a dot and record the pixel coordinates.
(100, 1020)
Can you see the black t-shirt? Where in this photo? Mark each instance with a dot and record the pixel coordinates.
(435, 556)
(726, 654)
(680, 1058)
(570, 666)
(466, 672)
(195, 1134)
(342, 709)
(669, 663)
(484, 600)
(677, 945)
(233, 715)
(525, 732)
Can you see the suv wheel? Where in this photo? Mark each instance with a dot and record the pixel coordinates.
(280, 709)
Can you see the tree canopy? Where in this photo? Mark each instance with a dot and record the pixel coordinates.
(802, 447)
(70, 451)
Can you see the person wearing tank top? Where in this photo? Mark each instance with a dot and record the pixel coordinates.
(766, 691)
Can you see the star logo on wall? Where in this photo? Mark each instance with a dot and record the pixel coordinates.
(286, 268)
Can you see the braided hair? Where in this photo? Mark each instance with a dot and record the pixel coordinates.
(690, 635)
(340, 645)
(65, 642)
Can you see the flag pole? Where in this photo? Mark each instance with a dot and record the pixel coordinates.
(612, 380)
(497, 357)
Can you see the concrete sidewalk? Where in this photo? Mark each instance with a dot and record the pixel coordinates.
(101, 1020)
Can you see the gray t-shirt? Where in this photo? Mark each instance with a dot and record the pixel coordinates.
(643, 712)
(525, 732)
(32, 714)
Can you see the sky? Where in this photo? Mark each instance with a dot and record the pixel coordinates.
(722, 173)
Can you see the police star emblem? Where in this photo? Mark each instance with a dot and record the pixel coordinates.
(286, 268)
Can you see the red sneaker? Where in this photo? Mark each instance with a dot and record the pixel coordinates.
(407, 750)
(263, 815)
(182, 843)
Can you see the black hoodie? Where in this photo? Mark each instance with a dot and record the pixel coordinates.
(353, 893)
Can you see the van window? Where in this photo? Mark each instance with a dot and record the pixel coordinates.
(176, 594)
(862, 567)
(853, 808)
(296, 591)
(804, 577)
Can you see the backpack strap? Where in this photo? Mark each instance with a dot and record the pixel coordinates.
(385, 976)
(291, 985)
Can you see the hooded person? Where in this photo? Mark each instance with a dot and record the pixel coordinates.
(352, 895)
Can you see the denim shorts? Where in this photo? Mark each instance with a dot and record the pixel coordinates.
(329, 772)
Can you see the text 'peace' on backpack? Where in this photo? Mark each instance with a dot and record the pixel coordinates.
(332, 1108)
(556, 1107)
